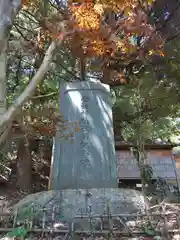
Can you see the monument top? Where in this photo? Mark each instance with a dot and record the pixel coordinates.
(84, 85)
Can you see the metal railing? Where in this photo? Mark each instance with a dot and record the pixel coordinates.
(161, 220)
(5, 172)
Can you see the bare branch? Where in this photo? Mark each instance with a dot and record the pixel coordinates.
(45, 96)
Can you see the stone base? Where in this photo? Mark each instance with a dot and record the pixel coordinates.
(65, 205)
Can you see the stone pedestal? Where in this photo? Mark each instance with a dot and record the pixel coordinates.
(72, 205)
(89, 160)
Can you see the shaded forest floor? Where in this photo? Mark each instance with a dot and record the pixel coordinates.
(27, 164)
(10, 193)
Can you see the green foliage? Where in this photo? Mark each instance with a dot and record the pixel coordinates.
(147, 229)
(24, 218)
(18, 232)
(26, 213)
(150, 108)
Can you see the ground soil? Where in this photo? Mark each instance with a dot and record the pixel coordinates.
(10, 192)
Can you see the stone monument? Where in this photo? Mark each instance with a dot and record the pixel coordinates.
(88, 161)
(83, 177)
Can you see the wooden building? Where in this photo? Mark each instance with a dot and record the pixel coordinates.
(159, 156)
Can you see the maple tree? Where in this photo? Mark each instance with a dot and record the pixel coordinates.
(115, 36)
(114, 31)
(110, 30)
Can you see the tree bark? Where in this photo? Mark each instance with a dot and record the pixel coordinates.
(8, 11)
(3, 82)
(24, 166)
(3, 64)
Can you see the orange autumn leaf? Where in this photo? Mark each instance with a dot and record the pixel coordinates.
(117, 5)
(98, 32)
(85, 17)
(29, 3)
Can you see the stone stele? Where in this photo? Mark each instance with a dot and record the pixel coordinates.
(88, 161)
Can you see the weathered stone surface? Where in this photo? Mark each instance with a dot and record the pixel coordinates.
(64, 205)
(89, 160)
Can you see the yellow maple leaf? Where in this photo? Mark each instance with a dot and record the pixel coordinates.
(99, 8)
(86, 17)
(150, 2)
(151, 52)
(127, 11)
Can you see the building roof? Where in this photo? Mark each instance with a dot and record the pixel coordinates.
(121, 144)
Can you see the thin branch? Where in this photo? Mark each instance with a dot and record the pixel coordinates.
(68, 71)
(5, 134)
(82, 70)
(53, 5)
(23, 28)
(173, 36)
(28, 14)
(171, 15)
(44, 96)
(29, 90)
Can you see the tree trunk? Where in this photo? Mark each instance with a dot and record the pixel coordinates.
(24, 166)
(8, 12)
(3, 82)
